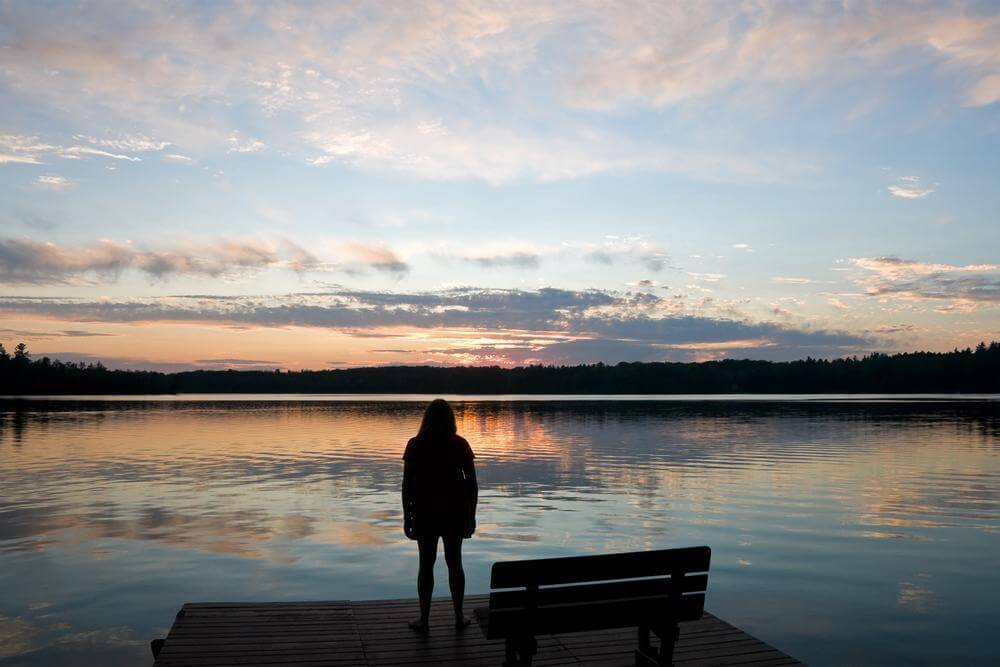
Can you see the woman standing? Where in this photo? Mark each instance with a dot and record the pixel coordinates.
(440, 493)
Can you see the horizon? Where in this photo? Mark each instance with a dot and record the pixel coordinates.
(983, 346)
(475, 184)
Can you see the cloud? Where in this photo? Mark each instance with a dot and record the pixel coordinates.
(362, 256)
(973, 284)
(498, 154)
(615, 249)
(894, 328)
(7, 158)
(437, 90)
(53, 182)
(237, 362)
(787, 280)
(29, 149)
(707, 277)
(908, 187)
(517, 260)
(64, 333)
(23, 149)
(237, 144)
(74, 152)
(27, 261)
(986, 91)
(131, 143)
(663, 56)
(463, 90)
(522, 325)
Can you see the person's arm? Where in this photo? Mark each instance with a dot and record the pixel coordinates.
(471, 493)
(471, 484)
(407, 498)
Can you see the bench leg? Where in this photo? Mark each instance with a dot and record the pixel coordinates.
(527, 649)
(646, 655)
(510, 652)
(519, 650)
(667, 642)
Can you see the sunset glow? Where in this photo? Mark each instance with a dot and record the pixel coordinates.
(188, 185)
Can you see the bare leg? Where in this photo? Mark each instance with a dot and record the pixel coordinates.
(456, 577)
(425, 580)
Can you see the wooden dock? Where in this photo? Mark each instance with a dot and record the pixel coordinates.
(352, 634)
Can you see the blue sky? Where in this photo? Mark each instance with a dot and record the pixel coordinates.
(338, 184)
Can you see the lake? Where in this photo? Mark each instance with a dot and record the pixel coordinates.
(860, 530)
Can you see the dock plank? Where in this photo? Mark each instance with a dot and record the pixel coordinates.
(366, 633)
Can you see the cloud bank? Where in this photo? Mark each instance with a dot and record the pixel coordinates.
(546, 325)
(973, 284)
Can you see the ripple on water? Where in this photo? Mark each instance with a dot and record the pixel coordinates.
(833, 526)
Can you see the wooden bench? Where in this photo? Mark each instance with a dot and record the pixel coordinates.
(650, 590)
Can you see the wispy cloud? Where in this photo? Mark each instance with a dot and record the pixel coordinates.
(370, 96)
(236, 362)
(53, 182)
(707, 277)
(664, 56)
(8, 158)
(128, 143)
(789, 280)
(74, 152)
(58, 333)
(22, 149)
(30, 149)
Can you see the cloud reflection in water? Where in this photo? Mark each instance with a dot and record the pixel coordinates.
(120, 511)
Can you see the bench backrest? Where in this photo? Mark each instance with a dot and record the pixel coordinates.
(589, 592)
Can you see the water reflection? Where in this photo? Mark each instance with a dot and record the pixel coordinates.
(837, 527)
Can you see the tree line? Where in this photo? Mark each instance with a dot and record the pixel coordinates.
(969, 371)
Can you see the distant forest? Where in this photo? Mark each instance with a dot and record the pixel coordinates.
(969, 370)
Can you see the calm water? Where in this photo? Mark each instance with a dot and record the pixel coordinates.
(863, 532)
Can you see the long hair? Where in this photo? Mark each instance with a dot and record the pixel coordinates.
(439, 420)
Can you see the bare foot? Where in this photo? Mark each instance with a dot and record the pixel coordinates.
(419, 625)
(462, 622)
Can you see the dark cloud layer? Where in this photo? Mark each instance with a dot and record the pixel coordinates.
(584, 325)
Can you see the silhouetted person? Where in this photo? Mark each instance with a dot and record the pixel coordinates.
(440, 493)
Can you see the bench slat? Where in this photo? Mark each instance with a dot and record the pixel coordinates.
(578, 569)
(695, 583)
(582, 616)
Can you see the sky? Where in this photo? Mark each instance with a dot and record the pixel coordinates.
(331, 185)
